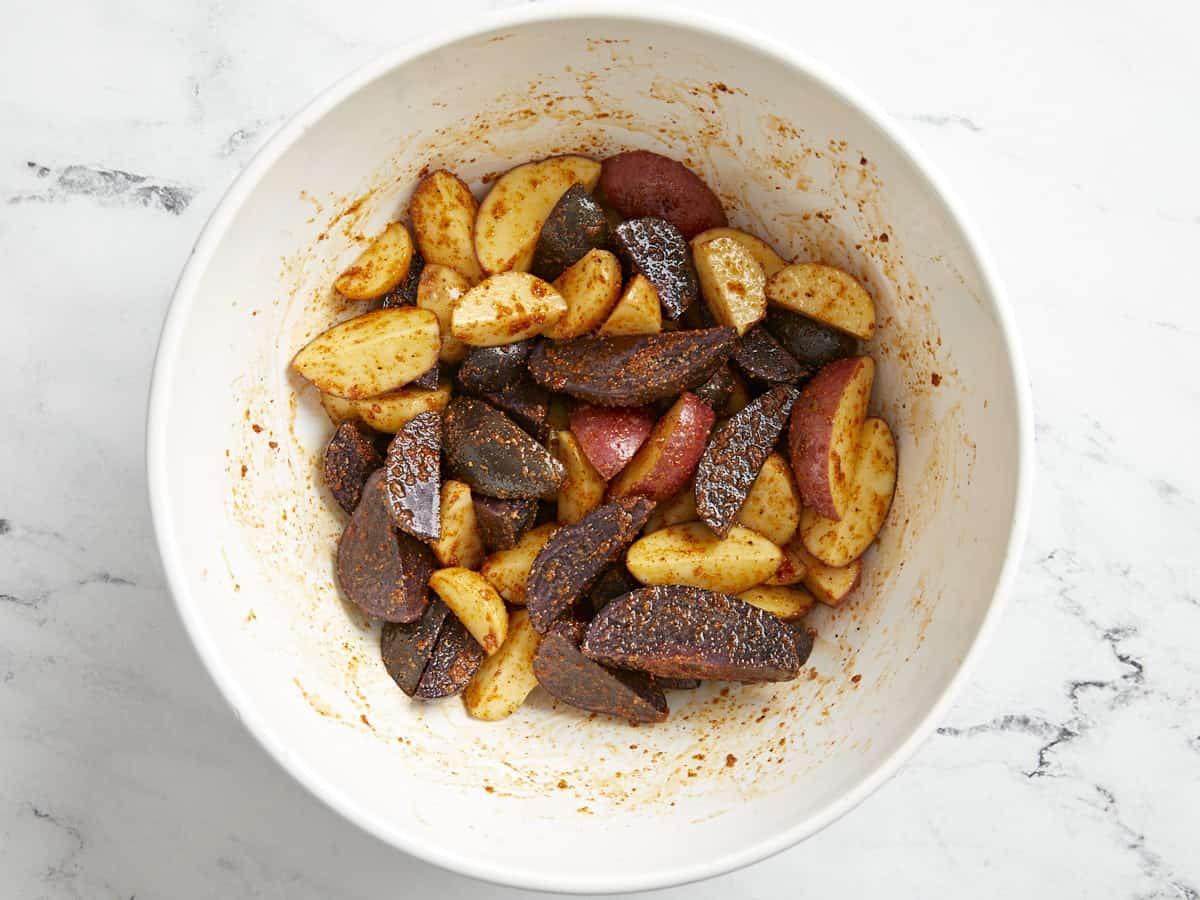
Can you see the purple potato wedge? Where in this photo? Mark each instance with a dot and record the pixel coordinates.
(455, 657)
(502, 522)
(655, 249)
(488, 369)
(715, 392)
(413, 480)
(575, 556)
(405, 293)
(676, 631)
(760, 356)
(429, 381)
(676, 684)
(804, 641)
(614, 582)
(407, 647)
(631, 370)
(350, 457)
(735, 454)
(525, 402)
(382, 570)
(492, 454)
(574, 227)
(574, 679)
(812, 344)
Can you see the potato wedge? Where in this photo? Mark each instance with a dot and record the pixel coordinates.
(439, 291)
(826, 294)
(764, 254)
(371, 354)
(731, 282)
(461, 544)
(591, 288)
(392, 411)
(667, 458)
(506, 678)
(583, 489)
(772, 507)
(691, 554)
(788, 604)
(476, 604)
(380, 267)
(638, 311)
(840, 542)
(505, 309)
(508, 570)
(674, 511)
(829, 584)
(511, 215)
(443, 212)
(794, 566)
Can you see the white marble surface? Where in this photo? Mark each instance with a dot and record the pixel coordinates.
(1071, 765)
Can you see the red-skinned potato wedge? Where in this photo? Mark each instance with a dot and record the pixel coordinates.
(772, 507)
(611, 435)
(826, 294)
(583, 489)
(511, 215)
(764, 254)
(380, 267)
(641, 183)
(667, 459)
(829, 584)
(443, 211)
(638, 311)
(840, 542)
(591, 288)
(824, 433)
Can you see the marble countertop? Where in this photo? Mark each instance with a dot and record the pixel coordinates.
(1069, 767)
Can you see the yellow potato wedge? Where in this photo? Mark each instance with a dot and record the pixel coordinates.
(786, 603)
(674, 511)
(772, 507)
(475, 603)
(511, 215)
(380, 267)
(506, 308)
(840, 542)
(764, 254)
(638, 311)
(460, 544)
(389, 412)
(826, 294)
(731, 282)
(439, 291)
(443, 211)
(501, 684)
(831, 585)
(794, 566)
(373, 353)
(591, 288)
(691, 554)
(583, 489)
(508, 570)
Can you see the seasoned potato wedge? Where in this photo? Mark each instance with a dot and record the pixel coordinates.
(391, 411)
(674, 511)
(460, 543)
(591, 288)
(691, 554)
(339, 409)
(511, 215)
(350, 457)
(610, 435)
(476, 604)
(840, 542)
(505, 309)
(787, 604)
(641, 183)
(443, 212)
(764, 254)
(506, 678)
(380, 267)
(773, 506)
(731, 282)
(508, 570)
(667, 458)
(439, 291)
(829, 584)
(583, 489)
(373, 353)
(826, 294)
(795, 563)
(638, 311)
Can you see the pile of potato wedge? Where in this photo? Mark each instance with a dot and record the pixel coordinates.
(591, 437)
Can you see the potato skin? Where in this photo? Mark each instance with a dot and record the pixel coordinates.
(675, 631)
(575, 226)
(631, 370)
(611, 435)
(640, 183)
(812, 344)
(407, 647)
(502, 522)
(405, 293)
(760, 356)
(380, 569)
(412, 477)
(349, 458)
(525, 402)
(666, 461)
(455, 657)
(494, 456)
(715, 392)
(655, 249)
(489, 369)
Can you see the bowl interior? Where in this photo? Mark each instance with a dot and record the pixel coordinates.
(248, 532)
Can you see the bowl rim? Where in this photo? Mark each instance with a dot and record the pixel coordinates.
(184, 296)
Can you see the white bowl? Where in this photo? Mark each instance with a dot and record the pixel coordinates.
(550, 799)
